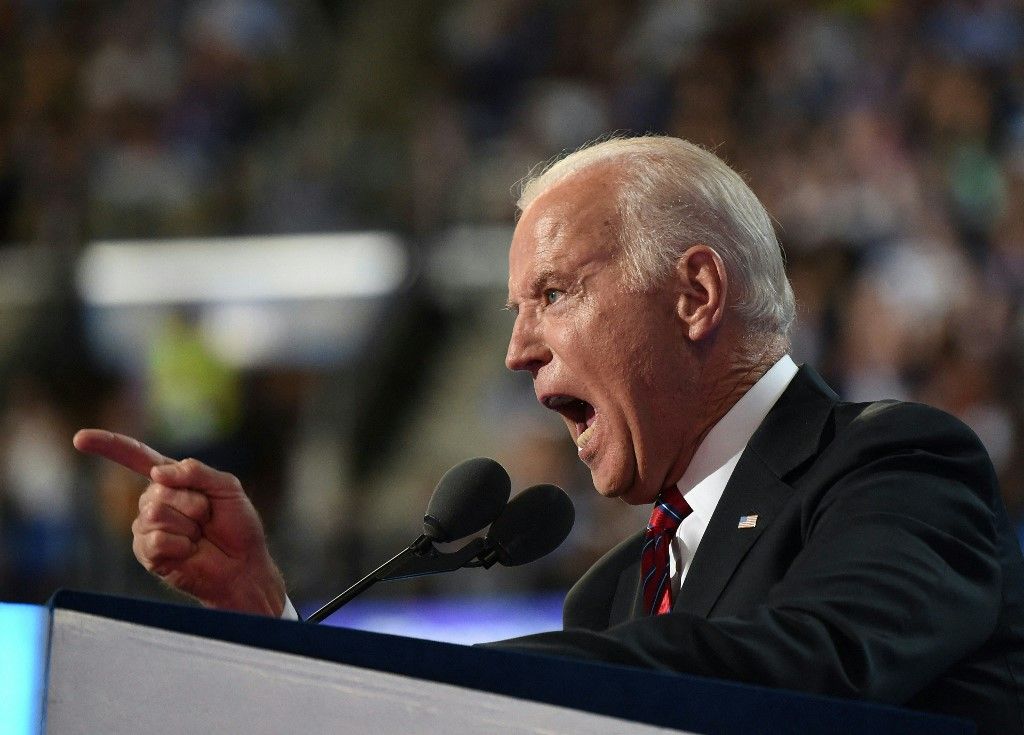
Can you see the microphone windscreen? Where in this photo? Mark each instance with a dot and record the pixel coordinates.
(468, 497)
(533, 524)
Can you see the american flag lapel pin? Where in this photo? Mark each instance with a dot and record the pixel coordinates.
(748, 521)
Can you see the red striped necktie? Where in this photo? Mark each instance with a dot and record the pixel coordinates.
(669, 511)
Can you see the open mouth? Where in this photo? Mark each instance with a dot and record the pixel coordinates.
(577, 411)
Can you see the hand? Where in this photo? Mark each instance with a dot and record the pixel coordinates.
(196, 528)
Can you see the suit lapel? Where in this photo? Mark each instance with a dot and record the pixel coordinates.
(628, 600)
(788, 437)
(752, 489)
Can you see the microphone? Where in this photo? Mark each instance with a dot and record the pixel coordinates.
(468, 497)
(532, 525)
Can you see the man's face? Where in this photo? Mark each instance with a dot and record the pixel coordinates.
(611, 361)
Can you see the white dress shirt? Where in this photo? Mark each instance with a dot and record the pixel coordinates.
(704, 480)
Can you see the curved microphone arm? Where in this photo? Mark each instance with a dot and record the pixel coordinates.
(419, 559)
(470, 496)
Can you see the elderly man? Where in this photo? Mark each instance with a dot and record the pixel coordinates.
(796, 541)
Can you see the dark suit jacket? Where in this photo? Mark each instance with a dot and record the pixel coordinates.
(882, 566)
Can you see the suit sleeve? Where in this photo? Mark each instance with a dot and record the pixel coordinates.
(896, 580)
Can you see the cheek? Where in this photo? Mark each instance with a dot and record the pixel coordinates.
(620, 351)
(630, 353)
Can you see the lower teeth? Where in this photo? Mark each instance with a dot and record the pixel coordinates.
(584, 437)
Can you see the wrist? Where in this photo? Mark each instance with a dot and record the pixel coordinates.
(260, 591)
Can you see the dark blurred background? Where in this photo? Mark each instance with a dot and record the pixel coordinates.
(147, 148)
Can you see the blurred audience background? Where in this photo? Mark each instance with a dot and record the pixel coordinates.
(886, 137)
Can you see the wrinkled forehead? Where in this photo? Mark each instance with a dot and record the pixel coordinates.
(591, 193)
(578, 218)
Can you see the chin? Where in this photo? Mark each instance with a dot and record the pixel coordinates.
(636, 496)
(604, 488)
(623, 489)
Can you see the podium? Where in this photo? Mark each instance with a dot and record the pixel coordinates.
(116, 665)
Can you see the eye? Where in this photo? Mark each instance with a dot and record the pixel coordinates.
(551, 295)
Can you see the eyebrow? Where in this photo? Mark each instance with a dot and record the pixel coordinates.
(536, 285)
(541, 279)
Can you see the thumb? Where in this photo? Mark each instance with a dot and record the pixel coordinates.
(194, 475)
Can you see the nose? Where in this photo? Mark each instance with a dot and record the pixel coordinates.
(526, 348)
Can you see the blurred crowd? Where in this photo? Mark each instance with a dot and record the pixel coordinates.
(886, 138)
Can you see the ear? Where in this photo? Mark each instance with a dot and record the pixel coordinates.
(700, 274)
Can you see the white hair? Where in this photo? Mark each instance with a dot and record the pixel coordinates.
(674, 194)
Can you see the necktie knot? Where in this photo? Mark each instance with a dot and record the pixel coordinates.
(669, 511)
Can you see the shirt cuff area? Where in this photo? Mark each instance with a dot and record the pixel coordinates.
(289, 610)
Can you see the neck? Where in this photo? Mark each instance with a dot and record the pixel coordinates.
(721, 383)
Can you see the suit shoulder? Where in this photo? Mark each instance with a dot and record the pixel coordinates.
(913, 434)
(904, 421)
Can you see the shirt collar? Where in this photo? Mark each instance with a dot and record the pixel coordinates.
(705, 477)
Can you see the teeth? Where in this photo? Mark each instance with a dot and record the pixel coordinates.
(585, 437)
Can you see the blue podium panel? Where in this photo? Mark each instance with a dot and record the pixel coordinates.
(23, 631)
(487, 682)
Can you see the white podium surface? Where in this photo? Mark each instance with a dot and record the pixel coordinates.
(111, 676)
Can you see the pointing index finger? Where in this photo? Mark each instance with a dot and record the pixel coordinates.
(124, 450)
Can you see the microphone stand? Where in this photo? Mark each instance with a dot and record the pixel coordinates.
(419, 559)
